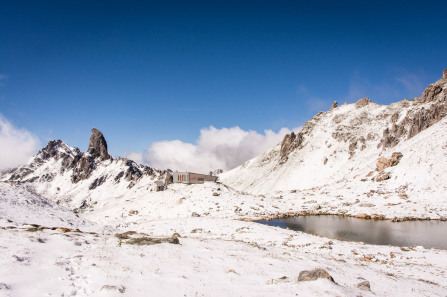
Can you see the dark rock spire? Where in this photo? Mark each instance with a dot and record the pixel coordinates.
(98, 145)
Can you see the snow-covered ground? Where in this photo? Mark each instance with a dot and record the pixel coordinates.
(218, 255)
(200, 240)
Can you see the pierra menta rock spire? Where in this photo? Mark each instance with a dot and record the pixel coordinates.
(97, 146)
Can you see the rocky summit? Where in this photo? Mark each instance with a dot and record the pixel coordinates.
(97, 146)
(73, 177)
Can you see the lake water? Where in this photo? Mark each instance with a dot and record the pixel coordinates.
(429, 234)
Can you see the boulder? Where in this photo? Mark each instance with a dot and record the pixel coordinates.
(97, 146)
(382, 163)
(364, 285)
(311, 275)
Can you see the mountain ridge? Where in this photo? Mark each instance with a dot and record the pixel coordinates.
(345, 143)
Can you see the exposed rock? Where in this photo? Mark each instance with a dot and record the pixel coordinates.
(395, 158)
(290, 142)
(352, 145)
(364, 285)
(362, 102)
(84, 166)
(394, 117)
(418, 119)
(119, 176)
(97, 182)
(97, 146)
(382, 163)
(444, 74)
(425, 118)
(132, 173)
(430, 93)
(325, 161)
(311, 275)
(286, 143)
(383, 176)
(334, 105)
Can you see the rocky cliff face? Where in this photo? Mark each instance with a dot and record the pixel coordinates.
(76, 178)
(428, 109)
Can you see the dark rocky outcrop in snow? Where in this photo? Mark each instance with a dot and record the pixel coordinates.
(97, 146)
(294, 141)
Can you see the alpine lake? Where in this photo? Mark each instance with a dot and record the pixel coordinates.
(426, 233)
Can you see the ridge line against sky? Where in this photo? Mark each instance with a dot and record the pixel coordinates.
(148, 73)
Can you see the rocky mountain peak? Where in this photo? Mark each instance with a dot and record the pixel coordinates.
(97, 146)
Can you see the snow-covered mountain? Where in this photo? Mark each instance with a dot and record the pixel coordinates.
(78, 179)
(362, 160)
(366, 146)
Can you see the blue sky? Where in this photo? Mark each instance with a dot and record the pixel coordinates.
(149, 71)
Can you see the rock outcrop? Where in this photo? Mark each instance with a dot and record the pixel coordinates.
(334, 105)
(311, 275)
(97, 146)
(384, 163)
(431, 107)
(290, 142)
(363, 102)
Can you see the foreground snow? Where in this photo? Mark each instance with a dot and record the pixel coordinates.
(217, 255)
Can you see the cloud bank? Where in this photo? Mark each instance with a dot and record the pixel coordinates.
(215, 148)
(17, 145)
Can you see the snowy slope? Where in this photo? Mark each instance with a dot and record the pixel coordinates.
(340, 148)
(215, 257)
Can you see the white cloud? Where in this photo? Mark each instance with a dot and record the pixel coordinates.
(134, 156)
(17, 145)
(215, 148)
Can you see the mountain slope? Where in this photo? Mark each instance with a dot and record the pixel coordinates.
(78, 180)
(342, 147)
